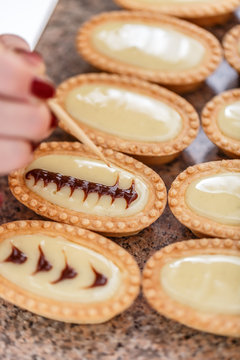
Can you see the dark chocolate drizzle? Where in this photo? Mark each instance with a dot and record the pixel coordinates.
(67, 273)
(88, 187)
(43, 264)
(16, 256)
(100, 279)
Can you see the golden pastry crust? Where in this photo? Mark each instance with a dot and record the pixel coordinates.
(69, 311)
(200, 225)
(220, 324)
(205, 14)
(150, 152)
(180, 82)
(230, 43)
(114, 226)
(210, 112)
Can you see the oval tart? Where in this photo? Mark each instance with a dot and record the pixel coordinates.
(202, 12)
(129, 115)
(196, 283)
(65, 273)
(205, 198)
(231, 46)
(221, 122)
(67, 183)
(154, 47)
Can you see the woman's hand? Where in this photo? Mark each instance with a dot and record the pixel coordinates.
(24, 116)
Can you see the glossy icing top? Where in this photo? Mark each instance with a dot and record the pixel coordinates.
(229, 120)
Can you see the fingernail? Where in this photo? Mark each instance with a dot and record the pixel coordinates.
(54, 121)
(42, 89)
(34, 145)
(31, 56)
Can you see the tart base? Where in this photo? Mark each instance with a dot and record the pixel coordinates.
(157, 160)
(211, 20)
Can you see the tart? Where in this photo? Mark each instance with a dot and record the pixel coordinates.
(202, 12)
(196, 282)
(65, 273)
(67, 183)
(231, 46)
(205, 198)
(221, 122)
(129, 115)
(154, 47)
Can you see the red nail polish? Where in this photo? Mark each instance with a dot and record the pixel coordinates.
(42, 89)
(54, 121)
(34, 145)
(1, 199)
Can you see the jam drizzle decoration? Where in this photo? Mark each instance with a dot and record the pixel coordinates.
(43, 264)
(87, 187)
(67, 273)
(100, 279)
(16, 256)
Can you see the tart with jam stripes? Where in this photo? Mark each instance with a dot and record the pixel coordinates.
(154, 47)
(65, 273)
(202, 12)
(129, 115)
(206, 199)
(197, 283)
(231, 46)
(67, 183)
(221, 122)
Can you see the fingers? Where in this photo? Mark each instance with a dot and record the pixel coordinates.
(13, 155)
(14, 42)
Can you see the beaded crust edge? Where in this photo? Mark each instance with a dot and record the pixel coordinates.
(156, 296)
(230, 42)
(106, 224)
(67, 311)
(209, 122)
(103, 62)
(187, 112)
(185, 215)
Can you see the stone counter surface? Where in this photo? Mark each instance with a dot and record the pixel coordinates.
(139, 333)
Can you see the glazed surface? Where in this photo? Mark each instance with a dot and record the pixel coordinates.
(209, 283)
(58, 269)
(91, 170)
(229, 120)
(216, 197)
(149, 46)
(124, 113)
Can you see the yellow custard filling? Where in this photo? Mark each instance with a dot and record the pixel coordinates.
(148, 46)
(229, 120)
(124, 113)
(68, 271)
(93, 171)
(216, 197)
(209, 283)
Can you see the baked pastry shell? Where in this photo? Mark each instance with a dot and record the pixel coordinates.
(199, 225)
(68, 311)
(230, 42)
(229, 146)
(113, 226)
(221, 324)
(148, 152)
(180, 82)
(201, 14)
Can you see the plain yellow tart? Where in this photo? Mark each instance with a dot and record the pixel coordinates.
(129, 115)
(197, 283)
(65, 182)
(231, 46)
(206, 199)
(221, 122)
(154, 47)
(65, 273)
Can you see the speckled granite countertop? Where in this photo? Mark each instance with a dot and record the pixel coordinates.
(139, 333)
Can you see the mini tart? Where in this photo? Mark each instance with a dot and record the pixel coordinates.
(205, 198)
(196, 283)
(231, 46)
(205, 13)
(121, 97)
(65, 273)
(67, 183)
(221, 122)
(110, 41)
